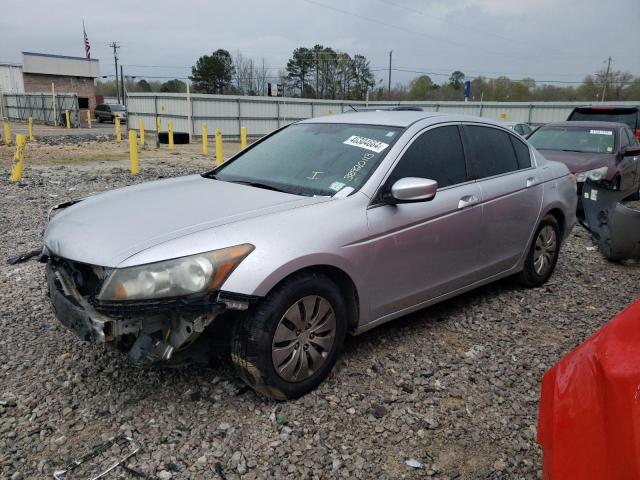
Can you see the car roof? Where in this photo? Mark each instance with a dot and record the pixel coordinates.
(608, 108)
(586, 123)
(391, 118)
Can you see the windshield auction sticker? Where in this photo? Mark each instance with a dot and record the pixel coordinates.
(366, 143)
(600, 132)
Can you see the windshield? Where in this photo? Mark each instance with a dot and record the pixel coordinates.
(313, 158)
(117, 108)
(574, 139)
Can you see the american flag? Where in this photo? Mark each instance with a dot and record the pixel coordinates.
(87, 45)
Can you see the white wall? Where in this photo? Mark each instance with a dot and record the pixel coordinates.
(60, 65)
(11, 79)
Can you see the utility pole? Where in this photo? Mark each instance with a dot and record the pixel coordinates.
(122, 85)
(390, 55)
(606, 79)
(115, 47)
(316, 55)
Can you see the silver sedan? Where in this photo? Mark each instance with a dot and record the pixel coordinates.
(328, 226)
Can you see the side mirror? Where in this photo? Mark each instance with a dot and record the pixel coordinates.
(412, 189)
(631, 151)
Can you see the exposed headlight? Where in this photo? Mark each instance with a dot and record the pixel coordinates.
(171, 278)
(594, 175)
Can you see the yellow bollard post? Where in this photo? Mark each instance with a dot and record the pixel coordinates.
(89, 118)
(118, 131)
(7, 133)
(243, 138)
(170, 135)
(158, 125)
(31, 137)
(67, 118)
(141, 128)
(205, 140)
(18, 158)
(219, 156)
(133, 152)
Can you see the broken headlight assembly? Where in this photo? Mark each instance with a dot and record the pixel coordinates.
(175, 277)
(594, 175)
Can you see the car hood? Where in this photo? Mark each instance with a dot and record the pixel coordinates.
(108, 228)
(581, 162)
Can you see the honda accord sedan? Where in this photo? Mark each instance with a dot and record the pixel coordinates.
(328, 226)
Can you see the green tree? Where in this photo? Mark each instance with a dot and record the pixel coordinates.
(298, 68)
(174, 86)
(421, 88)
(143, 86)
(213, 73)
(364, 79)
(456, 80)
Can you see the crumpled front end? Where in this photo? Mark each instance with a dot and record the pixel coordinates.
(615, 227)
(149, 331)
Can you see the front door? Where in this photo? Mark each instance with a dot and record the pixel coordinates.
(423, 250)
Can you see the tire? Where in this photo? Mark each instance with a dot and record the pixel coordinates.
(99, 119)
(276, 368)
(536, 272)
(179, 138)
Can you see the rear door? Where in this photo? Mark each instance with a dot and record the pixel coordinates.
(423, 250)
(511, 195)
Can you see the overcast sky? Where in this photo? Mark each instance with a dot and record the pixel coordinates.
(544, 39)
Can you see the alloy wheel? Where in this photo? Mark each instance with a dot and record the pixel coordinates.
(545, 250)
(303, 338)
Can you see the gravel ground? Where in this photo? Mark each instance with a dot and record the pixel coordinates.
(454, 387)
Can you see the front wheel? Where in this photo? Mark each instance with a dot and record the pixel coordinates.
(543, 254)
(286, 345)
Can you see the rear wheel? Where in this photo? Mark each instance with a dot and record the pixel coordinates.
(286, 345)
(543, 254)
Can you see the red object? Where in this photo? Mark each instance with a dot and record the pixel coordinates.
(589, 425)
(638, 133)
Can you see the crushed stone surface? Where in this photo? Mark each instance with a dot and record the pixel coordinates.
(453, 388)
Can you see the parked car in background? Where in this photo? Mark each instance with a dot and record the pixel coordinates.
(627, 115)
(108, 112)
(522, 129)
(330, 225)
(606, 152)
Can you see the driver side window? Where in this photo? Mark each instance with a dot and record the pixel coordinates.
(436, 154)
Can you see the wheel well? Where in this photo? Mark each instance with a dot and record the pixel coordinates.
(344, 283)
(559, 216)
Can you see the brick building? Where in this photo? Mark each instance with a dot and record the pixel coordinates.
(75, 75)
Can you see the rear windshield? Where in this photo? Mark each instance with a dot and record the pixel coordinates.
(630, 118)
(574, 139)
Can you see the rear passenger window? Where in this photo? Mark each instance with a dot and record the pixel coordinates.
(522, 152)
(491, 151)
(436, 154)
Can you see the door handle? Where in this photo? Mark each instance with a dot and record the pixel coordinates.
(467, 201)
(531, 181)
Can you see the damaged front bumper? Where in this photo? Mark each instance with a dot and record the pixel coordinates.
(149, 331)
(614, 227)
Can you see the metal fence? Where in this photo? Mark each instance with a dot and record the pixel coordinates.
(261, 115)
(41, 107)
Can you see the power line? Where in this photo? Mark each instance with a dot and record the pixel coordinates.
(484, 32)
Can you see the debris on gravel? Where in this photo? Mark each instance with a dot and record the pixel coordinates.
(454, 387)
(75, 139)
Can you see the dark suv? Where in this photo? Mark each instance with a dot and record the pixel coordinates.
(628, 115)
(110, 111)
